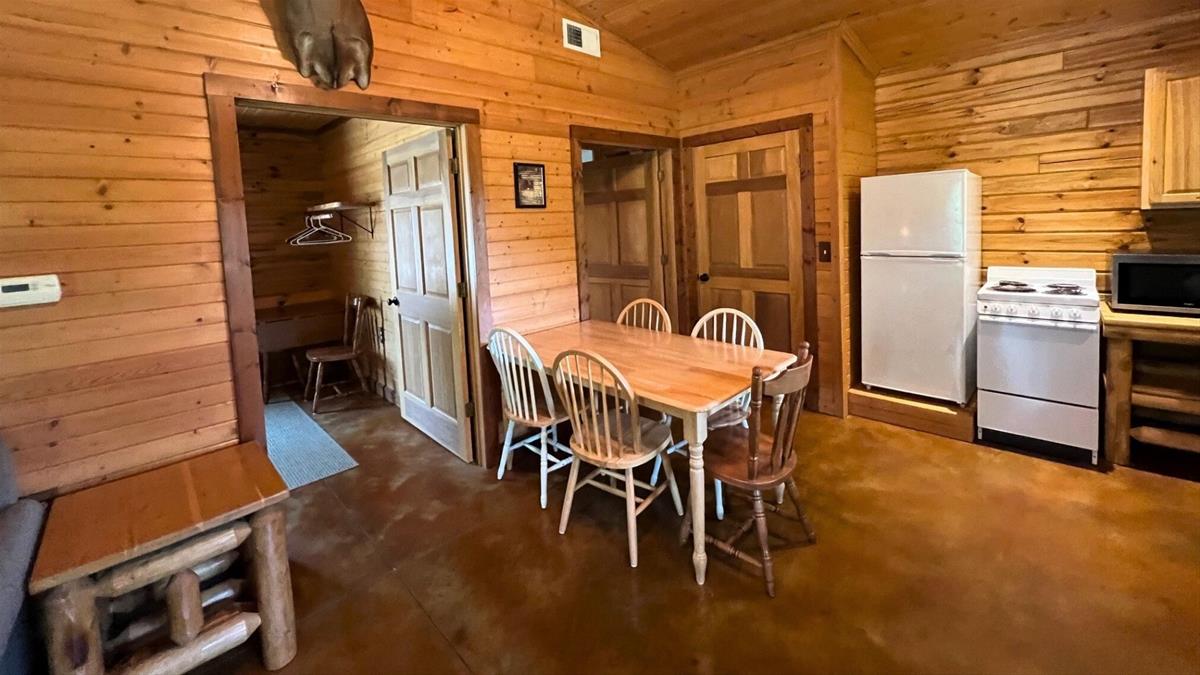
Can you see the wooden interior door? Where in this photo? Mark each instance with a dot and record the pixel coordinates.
(749, 232)
(623, 231)
(420, 206)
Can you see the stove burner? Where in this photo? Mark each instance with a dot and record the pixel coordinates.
(1014, 284)
(1064, 289)
(1013, 288)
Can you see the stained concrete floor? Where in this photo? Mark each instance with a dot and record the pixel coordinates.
(933, 556)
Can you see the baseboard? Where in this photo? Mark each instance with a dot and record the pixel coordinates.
(914, 412)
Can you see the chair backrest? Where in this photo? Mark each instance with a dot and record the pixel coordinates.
(791, 385)
(645, 313)
(726, 324)
(601, 405)
(353, 323)
(523, 383)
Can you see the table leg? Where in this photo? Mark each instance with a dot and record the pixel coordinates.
(695, 430)
(1118, 391)
(72, 630)
(273, 586)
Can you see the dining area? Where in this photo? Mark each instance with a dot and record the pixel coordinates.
(619, 405)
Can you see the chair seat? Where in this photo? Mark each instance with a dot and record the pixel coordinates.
(726, 458)
(656, 436)
(543, 417)
(328, 354)
(730, 415)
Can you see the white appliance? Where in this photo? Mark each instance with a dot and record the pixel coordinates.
(1039, 355)
(920, 271)
(38, 290)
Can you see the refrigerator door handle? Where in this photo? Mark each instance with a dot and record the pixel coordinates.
(931, 255)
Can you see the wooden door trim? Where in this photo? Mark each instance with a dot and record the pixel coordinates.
(671, 210)
(222, 94)
(808, 217)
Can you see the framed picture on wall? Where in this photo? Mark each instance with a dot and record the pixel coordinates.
(529, 185)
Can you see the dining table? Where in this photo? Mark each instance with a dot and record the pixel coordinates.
(685, 377)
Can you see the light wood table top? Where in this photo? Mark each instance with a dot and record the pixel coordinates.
(678, 372)
(102, 526)
(1150, 327)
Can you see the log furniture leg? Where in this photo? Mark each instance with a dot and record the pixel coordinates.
(184, 611)
(273, 586)
(72, 628)
(1119, 390)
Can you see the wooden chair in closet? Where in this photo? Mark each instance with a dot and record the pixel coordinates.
(732, 326)
(610, 434)
(347, 352)
(528, 401)
(645, 313)
(753, 460)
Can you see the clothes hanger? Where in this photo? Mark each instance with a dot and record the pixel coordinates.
(316, 233)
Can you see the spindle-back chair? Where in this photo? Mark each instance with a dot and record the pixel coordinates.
(646, 313)
(351, 348)
(610, 434)
(527, 400)
(754, 459)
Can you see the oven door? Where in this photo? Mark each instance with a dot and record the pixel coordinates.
(1049, 360)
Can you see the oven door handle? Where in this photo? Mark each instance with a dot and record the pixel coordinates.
(1047, 323)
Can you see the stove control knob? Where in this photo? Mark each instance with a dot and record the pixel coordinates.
(1075, 314)
(1033, 311)
(1012, 309)
(1056, 312)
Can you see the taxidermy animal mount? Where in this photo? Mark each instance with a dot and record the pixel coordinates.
(329, 40)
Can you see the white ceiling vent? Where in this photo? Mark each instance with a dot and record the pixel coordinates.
(581, 38)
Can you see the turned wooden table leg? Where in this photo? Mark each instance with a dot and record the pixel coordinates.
(273, 586)
(1118, 391)
(73, 630)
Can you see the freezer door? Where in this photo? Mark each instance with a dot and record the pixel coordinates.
(920, 214)
(917, 327)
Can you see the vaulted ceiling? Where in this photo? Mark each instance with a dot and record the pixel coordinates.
(682, 33)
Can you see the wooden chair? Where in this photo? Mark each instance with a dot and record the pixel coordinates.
(646, 313)
(610, 434)
(528, 401)
(732, 326)
(752, 460)
(348, 351)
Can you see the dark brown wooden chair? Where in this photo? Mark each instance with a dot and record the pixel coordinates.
(347, 352)
(754, 461)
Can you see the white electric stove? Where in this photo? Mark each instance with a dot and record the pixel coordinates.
(1038, 358)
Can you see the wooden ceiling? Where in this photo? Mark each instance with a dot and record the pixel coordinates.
(682, 33)
(277, 119)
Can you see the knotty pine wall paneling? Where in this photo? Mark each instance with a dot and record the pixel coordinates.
(106, 179)
(283, 175)
(797, 76)
(1054, 127)
(353, 172)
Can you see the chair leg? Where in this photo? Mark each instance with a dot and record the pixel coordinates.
(308, 380)
(631, 517)
(264, 361)
(317, 388)
(685, 528)
(658, 462)
(719, 496)
(504, 456)
(571, 480)
(760, 525)
(544, 467)
(665, 459)
(779, 490)
(794, 493)
(358, 371)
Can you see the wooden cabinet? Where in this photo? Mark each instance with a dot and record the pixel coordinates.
(1171, 140)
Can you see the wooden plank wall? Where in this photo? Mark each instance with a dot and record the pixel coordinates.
(1054, 128)
(106, 179)
(790, 77)
(282, 174)
(353, 154)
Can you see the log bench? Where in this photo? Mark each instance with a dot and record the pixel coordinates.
(139, 575)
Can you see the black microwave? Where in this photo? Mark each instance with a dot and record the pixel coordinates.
(1156, 282)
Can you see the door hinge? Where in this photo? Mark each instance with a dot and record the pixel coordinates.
(454, 166)
(462, 289)
(664, 260)
(470, 409)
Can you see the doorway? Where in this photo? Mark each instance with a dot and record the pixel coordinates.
(625, 215)
(347, 175)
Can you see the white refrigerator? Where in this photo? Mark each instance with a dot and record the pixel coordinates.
(920, 273)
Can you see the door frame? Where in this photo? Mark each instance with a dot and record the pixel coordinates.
(670, 156)
(808, 218)
(223, 92)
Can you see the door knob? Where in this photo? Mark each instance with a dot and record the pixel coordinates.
(703, 277)
(394, 301)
